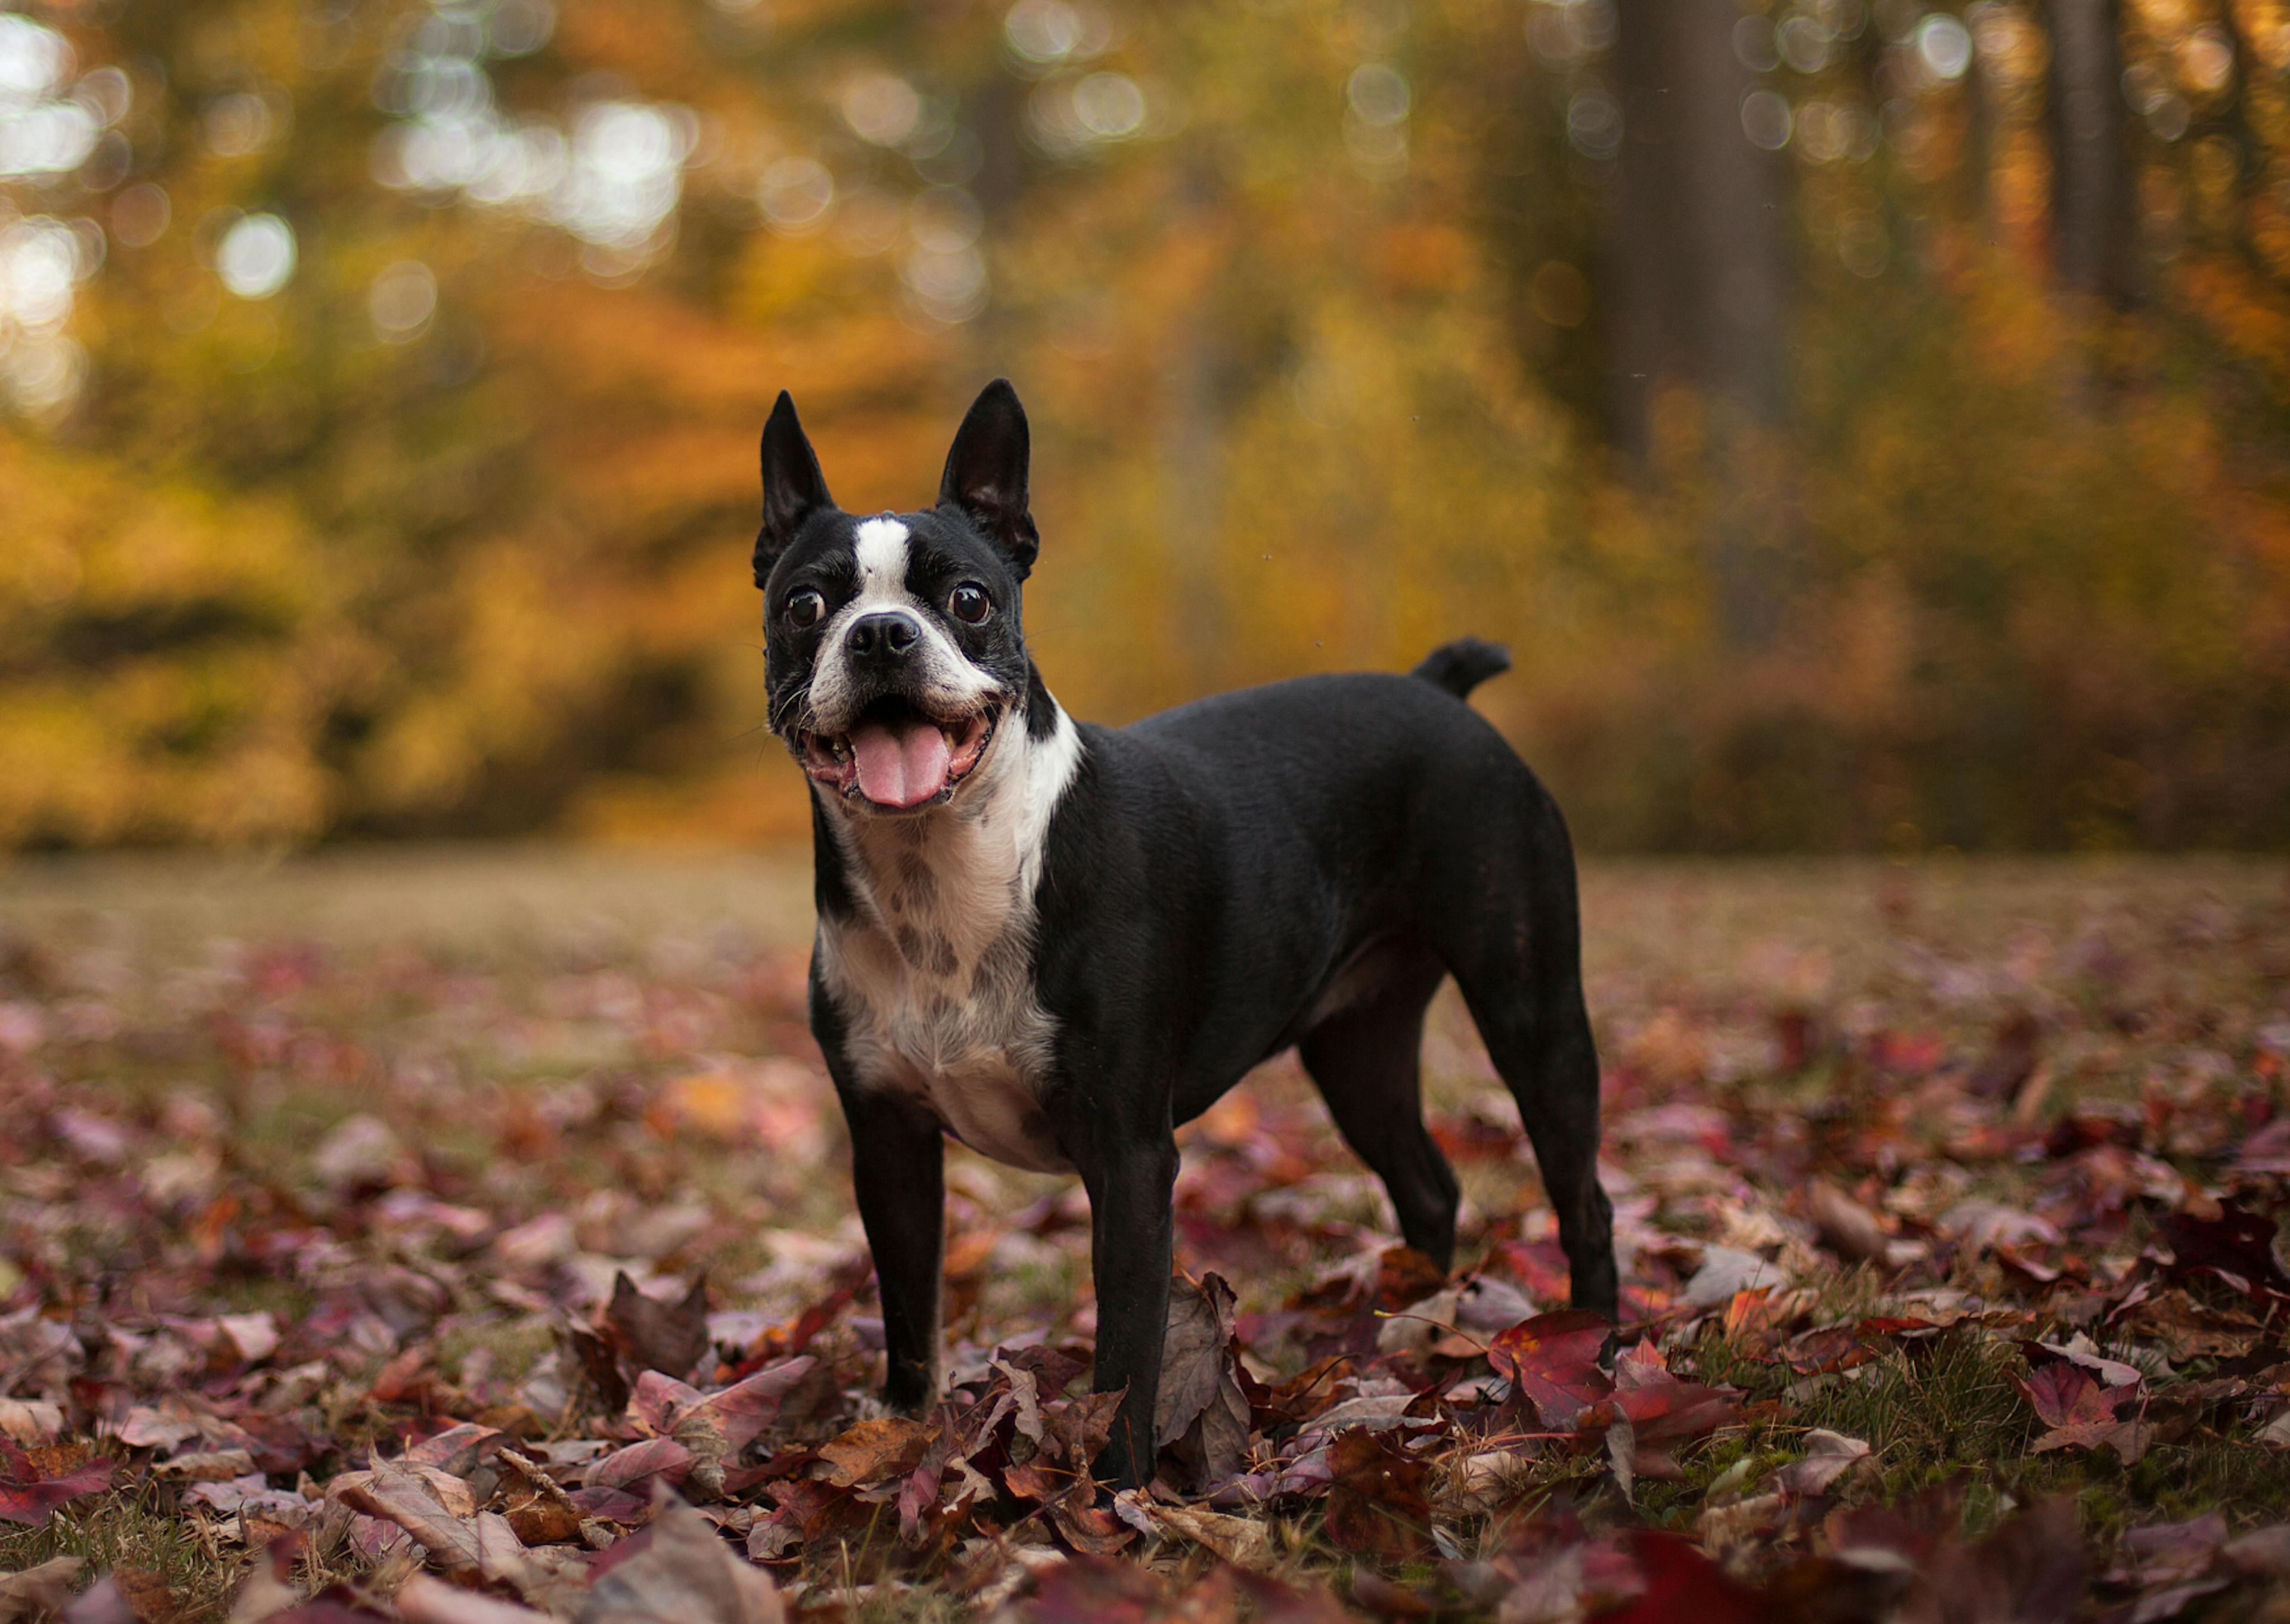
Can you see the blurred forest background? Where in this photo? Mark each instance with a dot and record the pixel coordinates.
(1868, 425)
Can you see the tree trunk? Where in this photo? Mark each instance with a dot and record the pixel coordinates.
(1698, 270)
(2095, 215)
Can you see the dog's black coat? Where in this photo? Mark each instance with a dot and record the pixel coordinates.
(1296, 864)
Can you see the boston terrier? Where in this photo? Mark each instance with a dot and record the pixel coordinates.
(1057, 941)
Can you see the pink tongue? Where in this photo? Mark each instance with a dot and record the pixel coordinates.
(900, 766)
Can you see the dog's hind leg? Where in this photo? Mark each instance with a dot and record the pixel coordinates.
(1366, 1059)
(1517, 962)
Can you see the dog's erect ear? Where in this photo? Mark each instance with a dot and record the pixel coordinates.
(794, 489)
(986, 474)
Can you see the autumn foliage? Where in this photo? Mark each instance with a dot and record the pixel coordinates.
(446, 531)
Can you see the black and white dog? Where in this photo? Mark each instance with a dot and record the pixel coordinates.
(1057, 941)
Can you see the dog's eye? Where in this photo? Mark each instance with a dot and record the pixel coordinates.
(969, 603)
(803, 608)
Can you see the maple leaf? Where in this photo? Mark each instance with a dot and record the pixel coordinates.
(34, 1482)
(1553, 1360)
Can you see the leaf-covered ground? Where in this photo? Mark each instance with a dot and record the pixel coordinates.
(466, 1240)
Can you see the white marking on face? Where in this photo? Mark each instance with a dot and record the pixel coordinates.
(934, 975)
(882, 546)
(945, 679)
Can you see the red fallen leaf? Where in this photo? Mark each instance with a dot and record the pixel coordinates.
(1376, 1500)
(716, 1427)
(2064, 1395)
(637, 1464)
(1821, 1352)
(1553, 1360)
(1669, 1412)
(31, 1488)
(919, 1495)
(1685, 1587)
(610, 1506)
(1883, 1325)
(2082, 1413)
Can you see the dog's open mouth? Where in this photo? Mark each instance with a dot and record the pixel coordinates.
(898, 756)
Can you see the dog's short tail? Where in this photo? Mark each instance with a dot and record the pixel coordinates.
(1462, 664)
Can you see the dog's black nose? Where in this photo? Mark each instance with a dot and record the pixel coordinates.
(886, 635)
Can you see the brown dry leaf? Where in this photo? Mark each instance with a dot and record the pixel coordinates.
(1245, 1542)
(687, 1575)
(539, 1510)
(668, 1337)
(484, 1546)
(1201, 1411)
(876, 1451)
(35, 1591)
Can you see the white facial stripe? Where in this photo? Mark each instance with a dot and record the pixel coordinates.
(882, 546)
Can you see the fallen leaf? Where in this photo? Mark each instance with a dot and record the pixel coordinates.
(1828, 1456)
(1201, 1415)
(29, 1492)
(1245, 1542)
(668, 1337)
(38, 1590)
(875, 1451)
(685, 1575)
(1376, 1500)
(1553, 1359)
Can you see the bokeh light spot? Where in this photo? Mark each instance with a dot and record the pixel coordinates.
(402, 301)
(256, 257)
(1944, 46)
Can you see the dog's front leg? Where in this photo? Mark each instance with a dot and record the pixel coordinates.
(1131, 1178)
(898, 1168)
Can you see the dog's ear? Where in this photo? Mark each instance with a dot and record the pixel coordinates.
(794, 489)
(986, 474)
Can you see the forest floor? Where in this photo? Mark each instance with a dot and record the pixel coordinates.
(464, 1237)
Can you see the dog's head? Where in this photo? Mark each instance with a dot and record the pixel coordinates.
(894, 651)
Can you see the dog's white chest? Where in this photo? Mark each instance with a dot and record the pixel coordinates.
(963, 1035)
(933, 974)
(933, 971)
